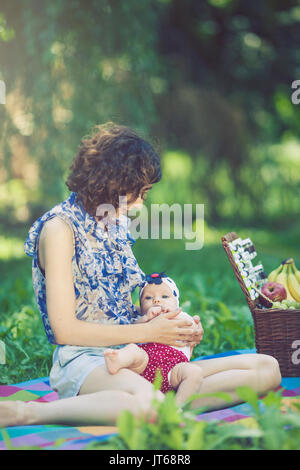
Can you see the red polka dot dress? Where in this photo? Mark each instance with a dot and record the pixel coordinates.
(164, 358)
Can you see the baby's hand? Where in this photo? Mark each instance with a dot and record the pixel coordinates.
(153, 312)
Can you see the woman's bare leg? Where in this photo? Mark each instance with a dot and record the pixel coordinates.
(99, 408)
(130, 357)
(186, 378)
(102, 398)
(258, 371)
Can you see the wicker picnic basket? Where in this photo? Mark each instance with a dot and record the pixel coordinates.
(277, 332)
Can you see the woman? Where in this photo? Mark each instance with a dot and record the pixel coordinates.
(84, 272)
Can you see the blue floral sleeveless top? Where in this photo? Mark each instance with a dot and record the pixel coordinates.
(105, 271)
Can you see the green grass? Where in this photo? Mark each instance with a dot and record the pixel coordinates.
(207, 288)
(28, 353)
(177, 429)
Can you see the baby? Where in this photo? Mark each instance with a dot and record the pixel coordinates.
(159, 295)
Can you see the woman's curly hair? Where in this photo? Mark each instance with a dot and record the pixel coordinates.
(113, 161)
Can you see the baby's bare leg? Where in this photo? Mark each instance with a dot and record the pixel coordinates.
(130, 357)
(186, 378)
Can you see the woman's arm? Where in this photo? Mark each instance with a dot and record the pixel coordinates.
(56, 249)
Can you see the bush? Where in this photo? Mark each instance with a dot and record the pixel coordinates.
(179, 429)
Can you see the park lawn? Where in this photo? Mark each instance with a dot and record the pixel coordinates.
(207, 288)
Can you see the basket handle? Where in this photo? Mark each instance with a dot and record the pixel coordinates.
(229, 237)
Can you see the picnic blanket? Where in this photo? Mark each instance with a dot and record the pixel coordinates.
(50, 437)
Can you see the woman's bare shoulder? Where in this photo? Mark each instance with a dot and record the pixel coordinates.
(56, 234)
(56, 227)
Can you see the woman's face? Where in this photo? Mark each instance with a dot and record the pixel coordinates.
(138, 203)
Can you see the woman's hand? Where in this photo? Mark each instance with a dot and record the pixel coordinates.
(198, 332)
(166, 329)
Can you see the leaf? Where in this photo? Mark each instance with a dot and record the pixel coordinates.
(4, 330)
(250, 433)
(168, 411)
(230, 431)
(58, 442)
(217, 337)
(225, 310)
(195, 440)
(8, 443)
(249, 395)
(158, 380)
(173, 438)
(272, 399)
(126, 424)
(293, 419)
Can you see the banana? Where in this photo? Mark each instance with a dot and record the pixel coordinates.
(293, 284)
(282, 279)
(295, 270)
(272, 276)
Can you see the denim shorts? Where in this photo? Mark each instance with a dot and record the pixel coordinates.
(71, 366)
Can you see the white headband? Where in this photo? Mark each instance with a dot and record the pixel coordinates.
(162, 278)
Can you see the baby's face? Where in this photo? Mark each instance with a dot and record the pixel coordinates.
(158, 295)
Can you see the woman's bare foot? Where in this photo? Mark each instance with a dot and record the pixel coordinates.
(112, 360)
(16, 413)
